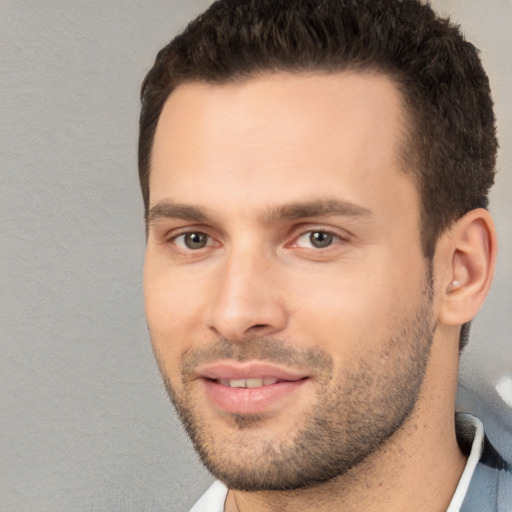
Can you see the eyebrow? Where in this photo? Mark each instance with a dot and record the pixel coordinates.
(316, 208)
(171, 210)
(292, 211)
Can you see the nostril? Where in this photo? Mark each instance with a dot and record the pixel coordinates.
(259, 326)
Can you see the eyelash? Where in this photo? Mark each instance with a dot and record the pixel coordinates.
(333, 238)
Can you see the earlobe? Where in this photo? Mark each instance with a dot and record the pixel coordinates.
(469, 254)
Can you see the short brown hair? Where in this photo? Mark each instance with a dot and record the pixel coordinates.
(452, 145)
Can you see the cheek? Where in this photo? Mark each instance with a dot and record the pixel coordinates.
(354, 306)
(166, 312)
(167, 293)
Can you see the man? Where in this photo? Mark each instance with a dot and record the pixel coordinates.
(315, 177)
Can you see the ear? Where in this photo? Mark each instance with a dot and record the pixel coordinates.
(465, 262)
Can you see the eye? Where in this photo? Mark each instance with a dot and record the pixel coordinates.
(317, 239)
(192, 240)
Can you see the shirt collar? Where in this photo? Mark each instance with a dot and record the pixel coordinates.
(475, 425)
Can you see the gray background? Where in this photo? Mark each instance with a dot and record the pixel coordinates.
(85, 423)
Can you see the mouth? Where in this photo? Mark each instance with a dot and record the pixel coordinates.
(250, 388)
(249, 383)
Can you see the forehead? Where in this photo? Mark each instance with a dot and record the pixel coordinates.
(266, 137)
(276, 102)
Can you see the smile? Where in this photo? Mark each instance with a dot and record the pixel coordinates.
(250, 387)
(248, 383)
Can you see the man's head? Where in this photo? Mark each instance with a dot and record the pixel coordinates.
(313, 243)
(450, 146)
(284, 244)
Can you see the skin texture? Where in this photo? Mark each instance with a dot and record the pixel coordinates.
(242, 175)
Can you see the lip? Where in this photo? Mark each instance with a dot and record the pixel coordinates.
(248, 370)
(250, 400)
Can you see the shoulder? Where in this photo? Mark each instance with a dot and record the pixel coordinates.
(490, 488)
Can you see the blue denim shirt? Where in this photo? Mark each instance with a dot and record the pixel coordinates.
(490, 488)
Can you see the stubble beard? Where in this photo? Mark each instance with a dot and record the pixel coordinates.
(356, 412)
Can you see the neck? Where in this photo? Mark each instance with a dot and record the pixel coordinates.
(418, 468)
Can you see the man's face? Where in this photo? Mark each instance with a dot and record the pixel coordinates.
(287, 297)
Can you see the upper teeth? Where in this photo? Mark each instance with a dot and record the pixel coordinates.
(247, 383)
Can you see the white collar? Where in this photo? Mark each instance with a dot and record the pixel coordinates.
(475, 454)
(213, 499)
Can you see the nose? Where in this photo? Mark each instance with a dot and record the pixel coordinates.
(248, 300)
